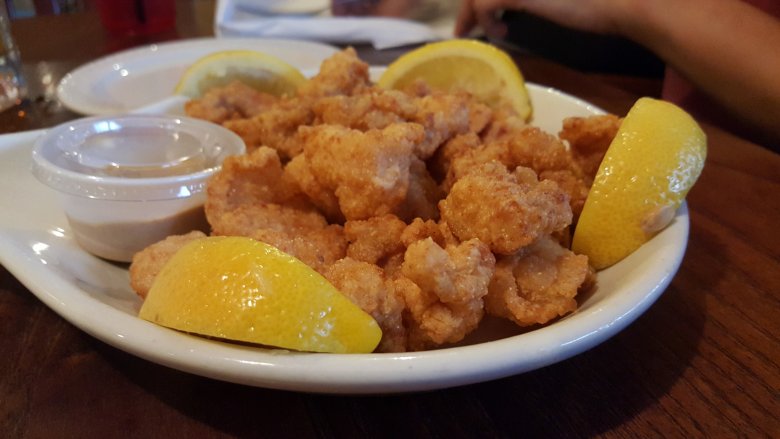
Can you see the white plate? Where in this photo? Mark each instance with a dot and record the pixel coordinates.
(37, 246)
(134, 78)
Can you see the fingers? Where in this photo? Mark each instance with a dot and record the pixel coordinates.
(484, 13)
(466, 20)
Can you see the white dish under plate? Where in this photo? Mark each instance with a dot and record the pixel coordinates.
(124, 81)
(37, 246)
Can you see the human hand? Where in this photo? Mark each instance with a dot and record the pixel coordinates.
(587, 15)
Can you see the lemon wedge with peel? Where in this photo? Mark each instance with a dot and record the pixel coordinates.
(481, 69)
(240, 289)
(258, 70)
(654, 160)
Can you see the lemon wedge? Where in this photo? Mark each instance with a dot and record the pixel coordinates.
(654, 160)
(258, 70)
(481, 69)
(240, 289)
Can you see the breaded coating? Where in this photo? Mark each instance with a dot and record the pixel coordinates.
(374, 109)
(423, 194)
(533, 148)
(443, 116)
(418, 230)
(480, 116)
(492, 205)
(548, 156)
(147, 263)
(589, 138)
(233, 101)
(249, 193)
(298, 173)
(443, 290)
(366, 285)
(377, 178)
(504, 125)
(376, 239)
(537, 284)
(341, 74)
(246, 220)
(574, 186)
(457, 146)
(317, 247)
(467, 159)
(275, 127)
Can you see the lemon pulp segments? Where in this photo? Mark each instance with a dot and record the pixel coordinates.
(240, 289)
(481, 69)
(655, 158)
(258, 70)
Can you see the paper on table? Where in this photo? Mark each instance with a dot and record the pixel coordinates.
(235, 18)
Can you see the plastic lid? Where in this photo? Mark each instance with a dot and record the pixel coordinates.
(133, 157)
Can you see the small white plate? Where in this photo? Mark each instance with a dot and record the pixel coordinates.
(138, 77)
(37, 246)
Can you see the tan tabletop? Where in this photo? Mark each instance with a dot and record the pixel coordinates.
(703, 361)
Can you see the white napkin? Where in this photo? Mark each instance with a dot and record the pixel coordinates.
(238, 18)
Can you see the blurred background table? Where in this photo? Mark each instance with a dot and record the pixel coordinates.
(704, 361)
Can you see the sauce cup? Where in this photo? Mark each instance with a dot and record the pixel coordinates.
(129, 181)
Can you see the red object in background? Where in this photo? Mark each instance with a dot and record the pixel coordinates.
(137, 17)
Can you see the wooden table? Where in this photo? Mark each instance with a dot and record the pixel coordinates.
(702, 362)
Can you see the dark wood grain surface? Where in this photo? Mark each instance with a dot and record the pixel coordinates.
(703, 361)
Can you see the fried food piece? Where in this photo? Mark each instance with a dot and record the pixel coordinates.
(573, 185)
(366, 285)
(548, 156)
(249, 193)
(443, 290)
(233, 101)
(275, 127)
(376, 239)
(248, 219)
(299, 173)
(528, 147)
(480, 116)
(419, 230)
(423, 194)
(504, 125)
(148, 262)
(467, 159)
(537, 284)
(457, 146)
(317, 247)
(443, 116)
(589, 138)
(343, 73)
(376, 108)
(533, 148)
(376, 180)
(505, 213)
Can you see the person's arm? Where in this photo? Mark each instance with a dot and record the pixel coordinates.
(727, 48)
(587, 15)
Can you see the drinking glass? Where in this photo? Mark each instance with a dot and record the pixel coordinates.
(12, 86)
